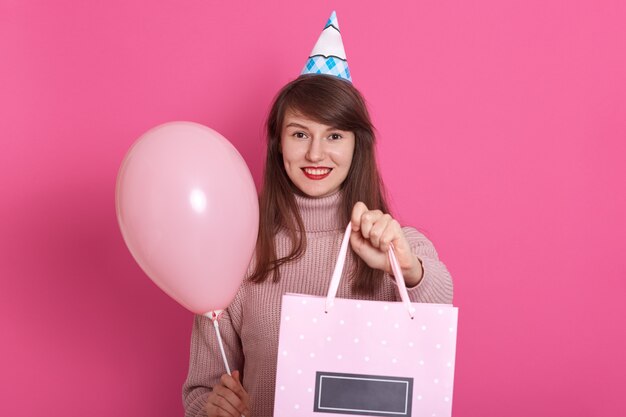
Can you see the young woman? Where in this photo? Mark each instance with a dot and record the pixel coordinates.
(320, 174)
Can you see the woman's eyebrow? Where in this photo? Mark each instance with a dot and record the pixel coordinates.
(294, 124)
(298, 125)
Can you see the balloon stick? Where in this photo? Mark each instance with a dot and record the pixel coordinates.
(215, 315)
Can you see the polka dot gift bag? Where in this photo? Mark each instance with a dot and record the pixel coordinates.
(367, 358)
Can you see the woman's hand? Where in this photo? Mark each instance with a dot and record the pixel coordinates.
(372, 233)
(228, 398)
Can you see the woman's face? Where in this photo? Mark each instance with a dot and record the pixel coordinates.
(317, 157)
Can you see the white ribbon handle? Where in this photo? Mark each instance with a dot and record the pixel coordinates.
(341, 260)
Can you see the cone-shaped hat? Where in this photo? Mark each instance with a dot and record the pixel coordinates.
(328, 55)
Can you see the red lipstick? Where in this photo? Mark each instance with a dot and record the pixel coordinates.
(316, 173)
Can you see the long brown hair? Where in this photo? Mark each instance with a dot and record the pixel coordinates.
(329, 100)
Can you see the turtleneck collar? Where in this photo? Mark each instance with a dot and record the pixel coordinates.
(321, 214)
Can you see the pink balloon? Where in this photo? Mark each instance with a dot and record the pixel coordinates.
(188, 210)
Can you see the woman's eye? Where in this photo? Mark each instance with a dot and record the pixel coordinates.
(335, 136)
(299, 135)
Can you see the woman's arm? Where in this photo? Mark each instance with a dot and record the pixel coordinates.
(426, 277)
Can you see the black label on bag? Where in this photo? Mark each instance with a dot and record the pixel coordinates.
(363, 395)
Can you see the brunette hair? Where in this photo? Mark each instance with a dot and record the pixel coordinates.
(329, 100)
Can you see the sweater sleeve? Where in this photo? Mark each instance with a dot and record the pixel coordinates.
(205, 363)
(436, 284)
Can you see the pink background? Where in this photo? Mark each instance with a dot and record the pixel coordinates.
(502, 136)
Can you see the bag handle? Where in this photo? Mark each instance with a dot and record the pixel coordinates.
(341, 260)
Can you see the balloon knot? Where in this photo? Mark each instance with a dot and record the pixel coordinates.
(216, 314)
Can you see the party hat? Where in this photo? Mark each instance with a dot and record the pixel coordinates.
(328, 55)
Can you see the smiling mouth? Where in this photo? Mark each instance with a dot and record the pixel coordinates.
(316, 173)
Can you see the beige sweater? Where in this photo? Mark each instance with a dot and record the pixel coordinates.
(250, 325)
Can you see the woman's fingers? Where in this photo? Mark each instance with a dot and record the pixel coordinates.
(357, 211)
(369, 219)
(238, 396)
(229, 398)
(378, 232)
(382, 238)
(373, 226)
(363, 219)
(218, 405)
(373, 234)
(234, 384)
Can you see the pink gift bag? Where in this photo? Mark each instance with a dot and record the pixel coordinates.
(367, 358)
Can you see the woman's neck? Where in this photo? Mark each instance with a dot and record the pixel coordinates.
(321, 214)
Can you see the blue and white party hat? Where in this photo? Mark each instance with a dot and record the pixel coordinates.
(328, 55)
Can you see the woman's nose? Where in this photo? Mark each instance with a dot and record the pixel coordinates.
(315, 152)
